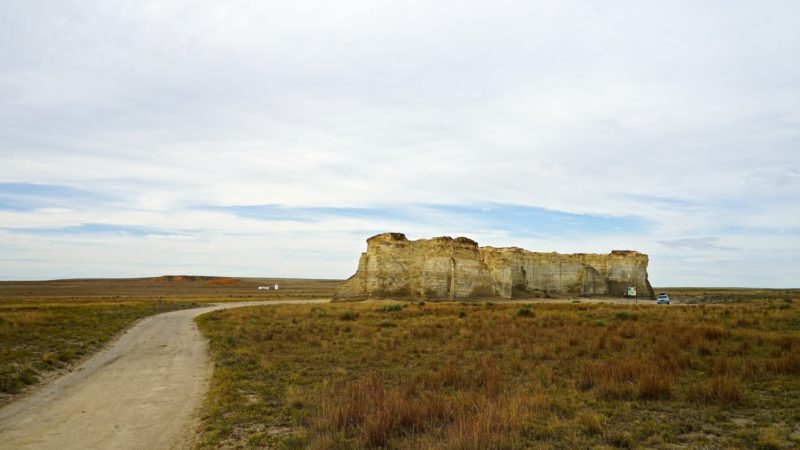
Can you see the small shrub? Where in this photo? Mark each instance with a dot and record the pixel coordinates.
(294, 397)
(655, 385)
(348, 315)
(715, 332)
(28, 376)
(592, 423)
(387, 325)
(769, 439)
(256, 440)
(525, 311)
(293, 442)
(622, 439)
(50, 359)
(12, 383)
(462, 314)
(390, 308)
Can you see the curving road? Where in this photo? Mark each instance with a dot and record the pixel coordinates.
(138, 393)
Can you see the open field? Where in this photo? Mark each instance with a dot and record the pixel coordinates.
(166, 288)
(46, 326)
(450, 375)
(502, 375)
(727, 295)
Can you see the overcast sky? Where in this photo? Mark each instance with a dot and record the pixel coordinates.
(271, 138)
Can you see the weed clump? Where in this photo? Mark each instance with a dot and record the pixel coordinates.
(525, 311)
(788, 365)
(348, 315)
(722, 390)
(654, 385)
(626, 379)
(390, 308)
(592, 423)
(714, 333)
(13, 383)
(769, 439)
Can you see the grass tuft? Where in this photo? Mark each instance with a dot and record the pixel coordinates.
(525, 311)
(723, 390)
(390, 308)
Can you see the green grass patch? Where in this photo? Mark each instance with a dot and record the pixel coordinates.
(390, 308)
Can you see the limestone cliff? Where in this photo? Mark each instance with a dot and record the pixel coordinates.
(444, 268)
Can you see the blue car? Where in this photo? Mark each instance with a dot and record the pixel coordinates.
(663, 299)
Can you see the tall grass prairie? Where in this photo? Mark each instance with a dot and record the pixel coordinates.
(504, 376)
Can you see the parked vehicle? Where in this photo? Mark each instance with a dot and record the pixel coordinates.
(663, 299)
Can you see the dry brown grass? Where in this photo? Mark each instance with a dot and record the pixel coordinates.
(721, 389)
(475, 376)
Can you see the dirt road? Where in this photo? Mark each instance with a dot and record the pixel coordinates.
(138, 393)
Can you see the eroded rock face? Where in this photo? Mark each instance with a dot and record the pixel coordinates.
(444, 268)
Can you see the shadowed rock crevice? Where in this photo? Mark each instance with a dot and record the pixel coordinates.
(444, 268)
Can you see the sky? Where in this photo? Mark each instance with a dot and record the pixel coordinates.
(271, 138)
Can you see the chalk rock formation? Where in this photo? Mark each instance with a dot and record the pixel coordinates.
(444, 268)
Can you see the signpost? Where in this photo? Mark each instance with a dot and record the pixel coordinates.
(632, 293)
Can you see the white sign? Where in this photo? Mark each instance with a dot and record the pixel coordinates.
(632, 291)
